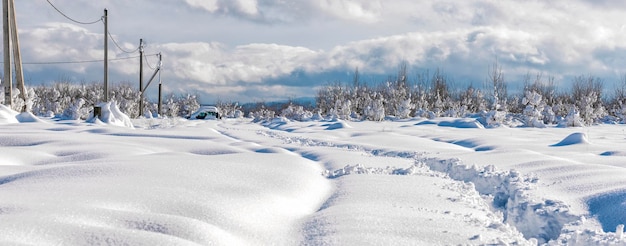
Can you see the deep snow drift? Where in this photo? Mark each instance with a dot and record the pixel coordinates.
(236, 182)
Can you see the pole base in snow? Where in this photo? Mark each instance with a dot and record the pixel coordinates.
(97, 112)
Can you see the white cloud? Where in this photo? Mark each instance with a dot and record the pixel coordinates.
(213, 63)
(249, 7)
(208, 5)
(235, 44)
(356, 10)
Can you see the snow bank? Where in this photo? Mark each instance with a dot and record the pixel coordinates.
(111, 114)
(28, 117)
(574, 138)
(7, 115)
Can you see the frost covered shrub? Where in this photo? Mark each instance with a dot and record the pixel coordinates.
(620, 112)
(375, 110)
(495, 118)
(298, 113)
(586, 92)
(404, 109)
(262, 114)
(342, 110)
(532, 115)
(572, 119)
(76, 111)
(229, 109)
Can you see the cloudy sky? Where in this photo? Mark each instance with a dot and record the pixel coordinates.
(263, 50)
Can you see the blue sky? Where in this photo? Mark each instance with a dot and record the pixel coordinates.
(264, 50)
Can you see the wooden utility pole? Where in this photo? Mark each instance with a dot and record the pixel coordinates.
(11, 39)
(17, 55)
(6, 37)
(140, 77)
(160, 101)
(106, 57)
(160, 85)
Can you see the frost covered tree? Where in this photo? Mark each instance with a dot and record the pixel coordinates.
(296, 112)
(587, 92)
(439, 96)
(499, 94)
(327, 97)
(472, 100)
(75, 111)
(532, 115)
(404, 109)
(618, 103)
(572, 119)
(397, 94)
(375, 111)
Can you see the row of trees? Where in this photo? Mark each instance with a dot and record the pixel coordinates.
(76, 101)
(427, 95)
(433, 95)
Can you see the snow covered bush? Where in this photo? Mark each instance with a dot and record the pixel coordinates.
(296, 112)
(404, 109)
(342, 109)
(375, 111)
(229, 109)
(262, 114)
(572, 119)
(495, 118)
(76, 111)
(620, 112)
(532, 115)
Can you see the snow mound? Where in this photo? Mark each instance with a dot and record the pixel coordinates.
(7, 115)
(574, 138)
(457, 123)
(337, 125)
(111, 115)
(27, 117)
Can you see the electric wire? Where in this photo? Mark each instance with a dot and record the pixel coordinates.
(69, 18)
(76, 62)
(119, 47)
(148, 63)
(93, 22)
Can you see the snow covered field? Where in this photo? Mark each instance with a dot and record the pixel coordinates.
(235, 182)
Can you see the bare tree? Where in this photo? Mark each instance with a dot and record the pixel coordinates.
(495, 80)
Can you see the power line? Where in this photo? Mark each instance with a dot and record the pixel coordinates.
(75, 62)
(145, 57)
(69, 18)
(120, 48)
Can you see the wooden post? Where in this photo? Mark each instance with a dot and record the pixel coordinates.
(8, 76)
(106, 57)
(17, 55)
(140, 77)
